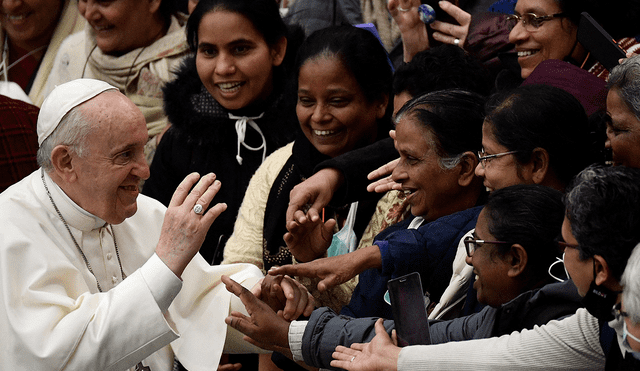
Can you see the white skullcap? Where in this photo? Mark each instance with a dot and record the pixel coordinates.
(63, 99)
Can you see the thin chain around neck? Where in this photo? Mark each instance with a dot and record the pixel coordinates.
(86, 261)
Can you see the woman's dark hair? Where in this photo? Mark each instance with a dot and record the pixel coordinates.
(454, 118)
(265, 17)
(443, 67)
(360, 52)
(530, 215)
(603, 207)
(542, 116)
(263, 14)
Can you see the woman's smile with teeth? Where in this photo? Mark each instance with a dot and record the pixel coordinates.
(229, 86)
(18, 17)
(526, 53)
(323, 132)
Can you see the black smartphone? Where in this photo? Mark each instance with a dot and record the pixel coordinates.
(409, 308)
(597, 41)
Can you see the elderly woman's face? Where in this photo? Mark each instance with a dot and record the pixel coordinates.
(554, 39)
(121, 26)
(30, 23)
(429, 189)
(623, 132)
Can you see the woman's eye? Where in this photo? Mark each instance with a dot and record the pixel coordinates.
(305, 101)
(207, 51)
(411, 160)
(241, 49)
(339, 102)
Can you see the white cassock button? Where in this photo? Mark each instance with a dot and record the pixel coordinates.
(114, 279)
(109, 256)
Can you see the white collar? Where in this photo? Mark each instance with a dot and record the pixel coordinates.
(75, 216)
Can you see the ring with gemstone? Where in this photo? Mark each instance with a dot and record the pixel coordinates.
(456, 42)
(198, 209)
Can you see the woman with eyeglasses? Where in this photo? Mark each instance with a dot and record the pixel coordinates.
(535, 134)
(510, 251)
(539, 29)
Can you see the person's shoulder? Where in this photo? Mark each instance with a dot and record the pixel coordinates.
(278, 158)
(74, 40)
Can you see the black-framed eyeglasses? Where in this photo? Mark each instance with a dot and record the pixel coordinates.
(471, 244)
(618, 312)
(483, 158)
(530, 21)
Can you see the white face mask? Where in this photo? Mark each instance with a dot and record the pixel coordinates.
(559, 261)
(625, 343)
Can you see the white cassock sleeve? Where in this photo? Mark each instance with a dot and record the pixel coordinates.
(52, 316)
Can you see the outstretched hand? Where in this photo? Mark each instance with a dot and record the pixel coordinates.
(308, 240)
(264, 328)
(183, 230)
(386, 183)
(316, 191)
(380, 354)
(334, 270)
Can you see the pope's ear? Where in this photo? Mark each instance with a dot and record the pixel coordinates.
(62, 162)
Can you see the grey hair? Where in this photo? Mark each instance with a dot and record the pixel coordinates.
(625, 78)
(72, 131)
(631, 286)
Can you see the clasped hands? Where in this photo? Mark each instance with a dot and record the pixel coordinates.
(271, 306)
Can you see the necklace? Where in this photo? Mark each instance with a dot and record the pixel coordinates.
(4, 66)
(86, 261)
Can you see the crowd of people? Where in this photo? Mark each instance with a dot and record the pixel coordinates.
(231, 184)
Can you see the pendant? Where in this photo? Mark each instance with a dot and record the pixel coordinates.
(141, 367)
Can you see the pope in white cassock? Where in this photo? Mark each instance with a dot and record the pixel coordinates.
(94, 276)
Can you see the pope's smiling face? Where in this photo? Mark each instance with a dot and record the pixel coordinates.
(107, 175)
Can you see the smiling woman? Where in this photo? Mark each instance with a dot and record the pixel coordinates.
(231, 105)
(30, 35)
(534, 134)
(131, 44)
(344, 82)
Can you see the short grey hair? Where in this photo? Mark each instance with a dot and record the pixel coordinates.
(72, 131)
(631, 286)
(625, 78)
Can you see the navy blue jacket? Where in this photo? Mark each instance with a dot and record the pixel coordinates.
(429, 250)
